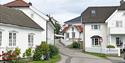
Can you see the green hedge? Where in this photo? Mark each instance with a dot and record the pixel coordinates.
(75, 45)
(110, 46)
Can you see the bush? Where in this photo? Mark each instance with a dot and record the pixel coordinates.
(110, 46)
(40, 51)
(53, 50)
(75, 45)
(28, 52)
(11, 55)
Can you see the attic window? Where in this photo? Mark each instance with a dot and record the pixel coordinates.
(93, 12)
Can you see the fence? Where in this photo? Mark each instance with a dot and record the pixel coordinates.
(104, 50)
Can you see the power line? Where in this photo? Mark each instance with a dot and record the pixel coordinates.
(40, 11)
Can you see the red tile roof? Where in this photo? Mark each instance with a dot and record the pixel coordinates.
(79, 28)
(65, 29)
(17, 3)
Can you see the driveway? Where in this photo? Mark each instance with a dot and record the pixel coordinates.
(76, 56)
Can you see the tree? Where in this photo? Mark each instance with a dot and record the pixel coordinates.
(58, 27)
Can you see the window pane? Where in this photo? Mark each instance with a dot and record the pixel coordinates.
(10, 39)
(95, 27)
(96, 42)
(119, 24)
(73, 34)
(30, 39)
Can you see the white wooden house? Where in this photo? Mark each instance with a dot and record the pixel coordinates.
(103, 26)
(17, 30)
(43, 20)
(73, 31)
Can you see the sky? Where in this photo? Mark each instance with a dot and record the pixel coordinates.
(63, 10)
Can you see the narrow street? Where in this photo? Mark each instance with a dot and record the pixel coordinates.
(76, 56)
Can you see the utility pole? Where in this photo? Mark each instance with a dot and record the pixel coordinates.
(83, 33)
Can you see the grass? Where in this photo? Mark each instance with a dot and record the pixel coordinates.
(97, 54)
(52, 60)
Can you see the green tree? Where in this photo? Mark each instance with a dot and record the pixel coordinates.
(58, 27)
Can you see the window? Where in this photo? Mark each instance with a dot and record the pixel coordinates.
(67, 35)
(96, 27)
(119, 41)
(119, 24)
(30, 40)
(12, 39)
(73, 34)
(96, 42)
(0, 38)
(93, 12)
(72, 28)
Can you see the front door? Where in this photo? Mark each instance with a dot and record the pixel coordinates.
(119, 42)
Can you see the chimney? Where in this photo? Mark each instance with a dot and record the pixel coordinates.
(121, 2)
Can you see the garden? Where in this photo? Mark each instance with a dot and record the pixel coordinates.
(44, 53)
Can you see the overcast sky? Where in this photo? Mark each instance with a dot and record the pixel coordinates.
(63, 10)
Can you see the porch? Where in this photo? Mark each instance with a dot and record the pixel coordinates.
(117, 40)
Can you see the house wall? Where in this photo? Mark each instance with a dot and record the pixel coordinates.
(42, 21)
(21, 37)
(113, 40)
(117, 16)
(114, 31)
(68, 41)
(89, 32)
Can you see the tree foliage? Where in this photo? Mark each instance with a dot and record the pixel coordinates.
(58, 27)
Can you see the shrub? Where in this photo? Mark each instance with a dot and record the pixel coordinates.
(53, 50)
(11, 55)
(110, 46)
(40, 51)
(17, 51)
(28, 52)
(75, 45)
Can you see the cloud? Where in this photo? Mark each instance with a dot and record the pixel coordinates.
(64, 10)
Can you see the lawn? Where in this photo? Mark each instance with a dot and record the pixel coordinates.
(52, 60)
(97, 54)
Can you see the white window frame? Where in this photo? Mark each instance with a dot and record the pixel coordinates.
(94, 43)
(119, 23)
(93, 12)
(95, 27)
(12, 38)
(31, 39)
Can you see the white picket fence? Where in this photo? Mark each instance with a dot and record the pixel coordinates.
(104, 50)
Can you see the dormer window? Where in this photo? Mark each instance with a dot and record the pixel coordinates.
(93, 12)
